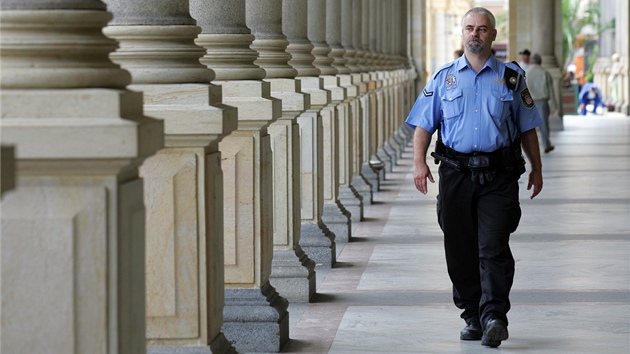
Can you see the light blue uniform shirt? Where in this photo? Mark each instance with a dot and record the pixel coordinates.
(477, 111)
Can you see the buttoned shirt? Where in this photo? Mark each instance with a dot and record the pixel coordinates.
(477, 111)
(540, 84)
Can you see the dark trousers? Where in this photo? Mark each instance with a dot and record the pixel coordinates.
(477, 221)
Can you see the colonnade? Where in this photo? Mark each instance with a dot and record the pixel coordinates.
(182, 168)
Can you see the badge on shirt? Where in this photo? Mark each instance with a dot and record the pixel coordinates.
(527, 98)
(450, 81)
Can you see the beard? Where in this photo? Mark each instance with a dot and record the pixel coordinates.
(475, 45)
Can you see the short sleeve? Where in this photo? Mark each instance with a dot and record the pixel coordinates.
(425, 111)
(526, 114)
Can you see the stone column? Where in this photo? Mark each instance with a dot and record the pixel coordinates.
(318, 240)
(384, 100)
(350, 129)
(367, 106)
(315, 239)
(252, 305)
(360, 78)
(376, 101)
(73, 236)
(292, 272)
(392, 117)
(399, 138)
(183, 182)
(543, 37)
(336, 216)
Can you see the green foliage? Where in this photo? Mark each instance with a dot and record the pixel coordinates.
(581, 24)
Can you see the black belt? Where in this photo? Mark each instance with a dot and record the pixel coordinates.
(496, 157)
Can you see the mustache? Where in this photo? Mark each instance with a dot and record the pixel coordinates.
(475, 40)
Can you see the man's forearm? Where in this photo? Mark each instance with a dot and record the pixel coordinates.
(529, 141)
(421, 142)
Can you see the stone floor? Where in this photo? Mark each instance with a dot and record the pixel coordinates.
(389, 292)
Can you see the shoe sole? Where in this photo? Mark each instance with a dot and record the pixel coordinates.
(470, 337)
(494, 335)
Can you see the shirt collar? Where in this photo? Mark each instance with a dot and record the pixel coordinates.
(492, 63)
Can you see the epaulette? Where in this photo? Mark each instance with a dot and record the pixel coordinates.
(442, 68)
(512, 76)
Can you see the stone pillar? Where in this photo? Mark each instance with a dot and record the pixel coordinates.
(318, 240)
(252, 305)
(350, 128)
(393, 120)
(73, 236)
(367, 108)
(292, 272)
(383, 153)
(400, 136)
(542, 27)
(183, 182)
(360, 78)
(315, 239)
(335, 216)
(376, 101)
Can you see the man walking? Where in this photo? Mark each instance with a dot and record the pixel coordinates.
(485, 114)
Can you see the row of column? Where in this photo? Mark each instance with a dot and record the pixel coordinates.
(183, 166)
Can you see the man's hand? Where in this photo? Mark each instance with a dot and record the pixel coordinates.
(420, 174)
(421, 142)
(529, 141)
(536, 181)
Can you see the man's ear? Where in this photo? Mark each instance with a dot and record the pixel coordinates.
(494, 35)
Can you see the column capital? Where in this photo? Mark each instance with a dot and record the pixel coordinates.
(36, 49)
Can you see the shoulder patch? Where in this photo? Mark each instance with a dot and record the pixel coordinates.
(527, 98)
(427, 93)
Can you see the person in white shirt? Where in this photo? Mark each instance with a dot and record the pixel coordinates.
(540, 85)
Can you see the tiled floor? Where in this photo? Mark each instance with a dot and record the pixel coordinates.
(389, 292)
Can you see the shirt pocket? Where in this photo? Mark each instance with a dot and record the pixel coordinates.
(452, 104)
(499, 104)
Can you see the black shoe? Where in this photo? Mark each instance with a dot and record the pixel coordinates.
(495, 332)
(549, 149)
(472, 331)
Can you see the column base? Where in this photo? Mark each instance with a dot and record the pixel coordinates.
(384, 157)
(398, 143)
(372, 175)
(403, 136)
(362, 186)
(256, 320)
(293, 275)
(352, 201)
(393, 152)
(338, 220)
(318, 242)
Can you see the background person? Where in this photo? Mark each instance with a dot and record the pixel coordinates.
(525, 58)
(590, 94)
(479, 147)
(540, 85)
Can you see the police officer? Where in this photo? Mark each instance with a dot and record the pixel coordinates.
(485, 115)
